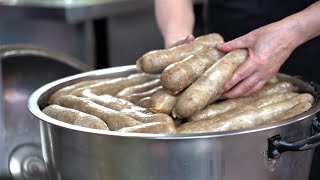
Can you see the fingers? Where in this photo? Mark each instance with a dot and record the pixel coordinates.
(185, 40)
(240, 42)
(256, 88)
(246, 69)
(189, 38)
(246, 87)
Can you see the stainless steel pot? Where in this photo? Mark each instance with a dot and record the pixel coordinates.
(73, 152)
(24, 69)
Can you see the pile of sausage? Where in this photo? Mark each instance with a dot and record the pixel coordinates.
(185, 99)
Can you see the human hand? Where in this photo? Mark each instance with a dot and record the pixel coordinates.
(185, 40)
(268, 48)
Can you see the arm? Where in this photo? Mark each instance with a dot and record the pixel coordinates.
(175, 19)
(269, 47)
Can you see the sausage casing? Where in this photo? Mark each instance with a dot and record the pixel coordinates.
(113, 86)
(156, 61)
(75, 117)
(114, 119)
(209, 85)
(138, 96)
(153, 128)
(131, 110)
(68, 89)
(144, 102)
(162, 102)
(264, 101)
(139, 88)
(179, 75)
(298, 109)
(252, 117)
(224, 106)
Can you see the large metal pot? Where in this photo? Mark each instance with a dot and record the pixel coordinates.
(73, 152)
(23, 69)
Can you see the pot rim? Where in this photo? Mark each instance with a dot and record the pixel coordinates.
(34, 108)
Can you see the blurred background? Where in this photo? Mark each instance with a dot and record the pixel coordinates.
(101, 33)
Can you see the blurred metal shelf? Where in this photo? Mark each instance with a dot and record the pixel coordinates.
(70, 11)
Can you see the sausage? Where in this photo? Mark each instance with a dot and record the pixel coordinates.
(139, 88)
(162, 102)
(248, 118)
(275, 98)
(156, 61)
(279, 87)
(114, 119)
(298, 109)
(114, 102)
(209, 85)
(238, 105)
(75, 117)
(113, 86)
(153, 128)
(218, 108)
(68, 89)
(144, 102)
(131, 110)
(136, 97)
(229, 104)
(179, 75)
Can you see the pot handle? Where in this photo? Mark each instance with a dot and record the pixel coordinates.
(276, 145)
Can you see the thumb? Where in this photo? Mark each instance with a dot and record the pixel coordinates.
(185, 40)
(189, 38)
(237, 43)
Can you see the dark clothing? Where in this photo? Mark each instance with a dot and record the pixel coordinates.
(234, 18)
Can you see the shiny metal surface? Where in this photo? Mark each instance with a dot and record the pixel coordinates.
(72, 152)
(24, 69)
(26, 163)
(71, 11)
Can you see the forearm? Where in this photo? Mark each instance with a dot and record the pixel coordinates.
(175, 19)
(305, 24)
